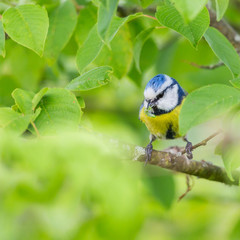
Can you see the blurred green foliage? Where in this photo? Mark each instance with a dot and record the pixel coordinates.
(67, 185)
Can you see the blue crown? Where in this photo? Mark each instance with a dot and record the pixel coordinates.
(157, 81)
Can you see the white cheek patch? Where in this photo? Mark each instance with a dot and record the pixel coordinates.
(166, 84)
(170, 99)
(149, 93)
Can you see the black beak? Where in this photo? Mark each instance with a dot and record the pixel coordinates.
(148, 104)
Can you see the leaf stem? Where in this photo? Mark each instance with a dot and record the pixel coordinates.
(35, 128)
(148, 16)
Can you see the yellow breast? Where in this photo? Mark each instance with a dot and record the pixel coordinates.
(164, 125)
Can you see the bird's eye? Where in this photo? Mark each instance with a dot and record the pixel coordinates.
(160, 95)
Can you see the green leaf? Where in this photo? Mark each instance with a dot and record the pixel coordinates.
(121, 54)
(221, 7)
(14, 121)
(62, 22)
(105, 14)
(23, 100)
(117, 23)
(36, 114)
(168, 16)
(223, 50)
(36, 99)
(231, 159)
(27, 25)
(235, 82)
(95, 78)
(2, 40)
(81, 102)
(146, 3)
(90, 50)
(24, 65)
(139, 42)
(189, 9)
(207, 103)
(93, 44)
(60, 112)
(86, 20)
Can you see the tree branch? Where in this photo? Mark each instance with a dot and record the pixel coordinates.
(201, 169)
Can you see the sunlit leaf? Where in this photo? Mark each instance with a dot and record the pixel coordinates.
(23, 100)
(37, 97)
(117, 23)
(168, 16)
(146, 3)
(60, 112)
(207, 103)
(96, 77)
(89, 50)
(121, 54)
(189, 9)
(221, 7)
(92, 46)
(14, 121)
(223, 50)
(36, 114)
(105, 14)
(62, 22)
(27, 25)
(86, 20)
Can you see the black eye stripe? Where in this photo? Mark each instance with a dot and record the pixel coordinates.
(160, 95)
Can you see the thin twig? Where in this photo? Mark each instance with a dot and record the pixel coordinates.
(189, 187)
(202, 143)
(209, 67)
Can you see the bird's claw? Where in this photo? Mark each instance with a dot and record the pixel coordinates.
(188, 149)
(149, 149)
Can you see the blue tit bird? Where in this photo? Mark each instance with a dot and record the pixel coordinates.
(163, 98)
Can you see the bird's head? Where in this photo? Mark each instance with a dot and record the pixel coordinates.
(162, 94)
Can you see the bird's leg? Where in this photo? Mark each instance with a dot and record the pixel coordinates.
(188, 148)
(149, 149)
